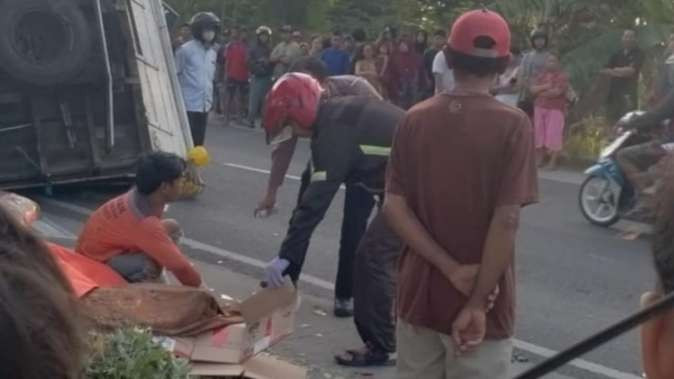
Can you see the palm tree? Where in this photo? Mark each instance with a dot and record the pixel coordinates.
(585, 32)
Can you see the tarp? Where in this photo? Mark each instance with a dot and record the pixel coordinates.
(167, 310)
(110, 302)
(84, 274)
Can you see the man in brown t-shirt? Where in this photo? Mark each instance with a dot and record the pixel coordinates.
(461, 168)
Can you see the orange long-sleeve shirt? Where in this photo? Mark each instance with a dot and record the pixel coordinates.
(120, 227)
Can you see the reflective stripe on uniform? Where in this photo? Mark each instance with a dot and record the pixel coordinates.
(375, 150)
(319, 176)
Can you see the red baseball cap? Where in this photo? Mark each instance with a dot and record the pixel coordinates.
(471, 26)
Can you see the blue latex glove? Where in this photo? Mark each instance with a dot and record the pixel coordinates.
(273, 274)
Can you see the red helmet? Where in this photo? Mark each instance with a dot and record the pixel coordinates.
(294, 98)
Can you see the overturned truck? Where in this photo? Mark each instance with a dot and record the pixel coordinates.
(86, 87)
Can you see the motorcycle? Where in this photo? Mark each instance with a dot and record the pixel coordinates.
(607, 195)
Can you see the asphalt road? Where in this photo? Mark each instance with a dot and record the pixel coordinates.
(573, 279)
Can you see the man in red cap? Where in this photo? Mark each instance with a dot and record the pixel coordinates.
(461, 167)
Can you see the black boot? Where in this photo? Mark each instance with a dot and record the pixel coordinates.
(343, 308)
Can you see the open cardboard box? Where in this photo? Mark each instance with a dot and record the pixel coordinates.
(269, 317)
(259, 367)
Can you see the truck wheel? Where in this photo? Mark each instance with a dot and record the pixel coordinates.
(43, 42)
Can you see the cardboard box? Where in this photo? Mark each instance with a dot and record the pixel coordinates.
(269, 317)
(260, 367)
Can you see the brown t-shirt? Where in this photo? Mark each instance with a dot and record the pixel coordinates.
(456, 158)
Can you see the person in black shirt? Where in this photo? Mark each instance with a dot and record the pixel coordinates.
(437, 44)
(636, 161)
(624, 68)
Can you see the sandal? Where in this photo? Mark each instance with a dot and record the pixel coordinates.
(364, 358)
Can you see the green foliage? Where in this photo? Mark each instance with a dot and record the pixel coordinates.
(131, 354)
(586, 33)
(251, 13)
(585, 139)
(347, 15)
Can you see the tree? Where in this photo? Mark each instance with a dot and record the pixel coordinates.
(346, 15)
(249, 13)
(586, 33)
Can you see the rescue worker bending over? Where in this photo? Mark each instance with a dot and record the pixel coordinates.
(350, 142)
(357, 201)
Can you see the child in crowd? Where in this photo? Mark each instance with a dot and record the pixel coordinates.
(366, 67)
(549, 91)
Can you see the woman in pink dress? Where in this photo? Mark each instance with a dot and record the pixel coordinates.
(549, 91)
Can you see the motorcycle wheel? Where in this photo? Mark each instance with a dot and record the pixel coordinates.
(599, 200)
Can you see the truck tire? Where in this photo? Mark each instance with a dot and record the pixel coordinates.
(43, 42)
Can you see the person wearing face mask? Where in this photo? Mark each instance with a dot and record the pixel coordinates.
(195, 67)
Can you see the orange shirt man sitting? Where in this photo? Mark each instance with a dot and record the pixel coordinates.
(128, 234)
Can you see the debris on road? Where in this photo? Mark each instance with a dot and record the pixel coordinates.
(519, 358)
(320, 312)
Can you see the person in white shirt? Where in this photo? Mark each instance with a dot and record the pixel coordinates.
(506, 89)
(195, 67)
(444, 76)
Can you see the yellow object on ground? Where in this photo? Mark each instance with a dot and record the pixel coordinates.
(199, 156)
(193, 184)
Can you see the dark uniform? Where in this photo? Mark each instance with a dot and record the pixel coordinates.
(623, 94)
(637, 159)
(351, 144)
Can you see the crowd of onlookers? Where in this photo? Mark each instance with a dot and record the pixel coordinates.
(405, 68)
(409, 67)
(402, 67)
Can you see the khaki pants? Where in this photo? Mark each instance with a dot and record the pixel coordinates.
(423, 353)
